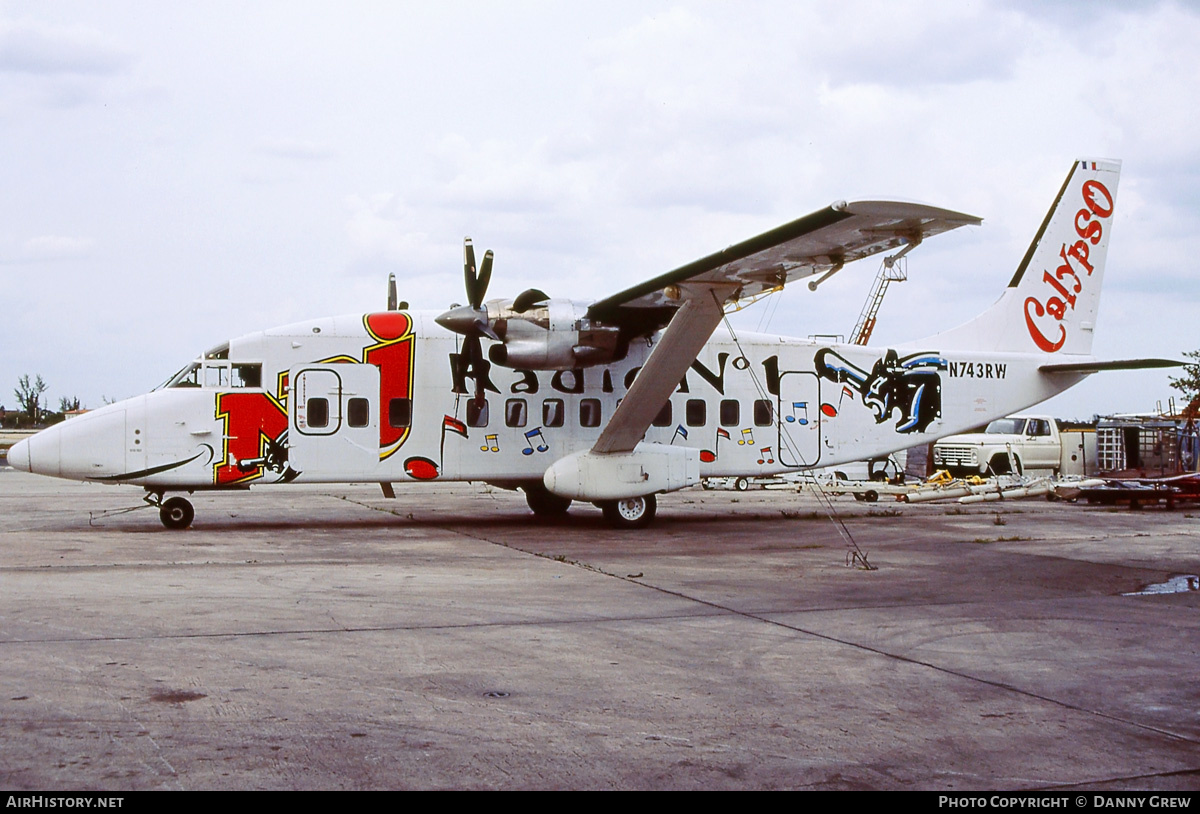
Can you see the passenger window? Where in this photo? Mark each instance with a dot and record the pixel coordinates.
(477, 413)
(553, 413)
(400, 413)
(516, 413)
(695, 412)
(663, 419)
(589, 413)
(358, 412)
(731, 412)
(318, 412)
(764, 413)
(247, 375)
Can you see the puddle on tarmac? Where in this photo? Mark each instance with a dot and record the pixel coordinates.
(1175, 585)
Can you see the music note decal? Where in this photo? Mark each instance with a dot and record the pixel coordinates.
(680, 432)
(421, 468)
(491, 443)
(768, 457)
(747, 438)
(830, 410)
(802, 419)
(529, 439)
(708, 456)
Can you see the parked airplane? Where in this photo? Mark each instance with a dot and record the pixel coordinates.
(613, 401)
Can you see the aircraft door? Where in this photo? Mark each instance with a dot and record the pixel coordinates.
(333, 421)
(800, 415)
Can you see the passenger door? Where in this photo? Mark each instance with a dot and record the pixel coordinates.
(333, 421)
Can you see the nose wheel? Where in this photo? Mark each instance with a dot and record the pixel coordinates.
(176, 513)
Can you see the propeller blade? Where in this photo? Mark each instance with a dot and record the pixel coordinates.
(472, 353)
(469, 273)
(485, 276)
(528, 299)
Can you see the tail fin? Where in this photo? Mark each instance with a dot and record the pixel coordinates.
(1050, 305)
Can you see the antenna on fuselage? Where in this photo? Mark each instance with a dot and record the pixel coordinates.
(392, 305)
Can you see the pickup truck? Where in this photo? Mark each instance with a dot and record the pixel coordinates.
(1033, 440)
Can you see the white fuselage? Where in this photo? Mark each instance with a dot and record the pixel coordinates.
(393, 410)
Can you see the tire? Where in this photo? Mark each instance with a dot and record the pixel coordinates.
(741, 484)
(999, 465)
(877, 469)
(631, 512)
(543, 502)
(176, 513)
(870, 496)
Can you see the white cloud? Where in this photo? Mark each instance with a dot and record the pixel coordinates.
(47, 50)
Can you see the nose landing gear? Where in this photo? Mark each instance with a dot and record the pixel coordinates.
(174, 512)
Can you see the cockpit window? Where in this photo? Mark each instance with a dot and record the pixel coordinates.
(247, 375)
(188, 377)
(218, 375)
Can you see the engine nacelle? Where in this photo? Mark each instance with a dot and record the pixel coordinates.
(555, 336)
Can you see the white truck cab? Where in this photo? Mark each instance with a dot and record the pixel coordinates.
(1025, 441)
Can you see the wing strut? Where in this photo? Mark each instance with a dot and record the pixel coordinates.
(689, 329)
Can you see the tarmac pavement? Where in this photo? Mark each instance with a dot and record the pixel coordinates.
(314, 637)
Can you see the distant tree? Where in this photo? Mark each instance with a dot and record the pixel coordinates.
(66, 405)
(1189, 384)
(29, 396)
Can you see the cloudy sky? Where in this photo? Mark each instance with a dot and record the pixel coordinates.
(174, 174)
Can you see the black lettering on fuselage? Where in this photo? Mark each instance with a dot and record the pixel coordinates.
(977, 370)
(717, 380)
(560, 379)
(460, 371)
(528, 383)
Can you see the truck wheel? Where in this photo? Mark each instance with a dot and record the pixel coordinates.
(999, 465)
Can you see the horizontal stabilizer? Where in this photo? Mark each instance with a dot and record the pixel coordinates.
(1116, 364)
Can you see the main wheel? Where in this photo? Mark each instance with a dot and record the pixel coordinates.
(543, 502)
(176, 513)
(631, 512)
(741, 484)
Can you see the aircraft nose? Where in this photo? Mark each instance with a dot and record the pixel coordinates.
(88, 447)
(18, 455)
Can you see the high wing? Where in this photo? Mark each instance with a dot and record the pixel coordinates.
(821, 242)
(691, 300)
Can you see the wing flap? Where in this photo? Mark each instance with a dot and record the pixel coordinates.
(813, 244)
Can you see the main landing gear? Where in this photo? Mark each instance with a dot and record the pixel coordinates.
(174, 512)
(543, 502)
(630, 512)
